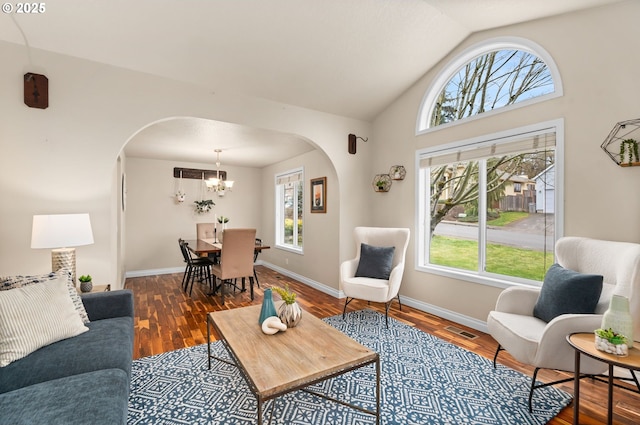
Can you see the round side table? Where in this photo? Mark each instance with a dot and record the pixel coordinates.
(584, 343)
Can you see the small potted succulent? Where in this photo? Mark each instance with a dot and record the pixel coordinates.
(86, 285)
(289, 311)
(611, 342)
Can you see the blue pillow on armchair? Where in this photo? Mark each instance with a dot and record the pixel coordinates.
(375, 261)
(566, 291)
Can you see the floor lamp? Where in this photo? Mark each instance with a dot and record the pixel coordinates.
(62, 232)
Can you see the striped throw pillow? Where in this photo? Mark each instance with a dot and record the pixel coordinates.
(11, 282)
(34, 316)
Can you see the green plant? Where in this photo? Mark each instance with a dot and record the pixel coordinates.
(611, 336)
(631, 150)
(287, 296)
(204, 206)
(85, 278)
(223, 219)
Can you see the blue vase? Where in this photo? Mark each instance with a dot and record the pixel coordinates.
(268, 307)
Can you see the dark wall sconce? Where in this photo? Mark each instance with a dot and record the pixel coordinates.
(352, 143)
(36, 90)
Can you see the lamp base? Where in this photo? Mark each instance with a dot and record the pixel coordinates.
(64, 258)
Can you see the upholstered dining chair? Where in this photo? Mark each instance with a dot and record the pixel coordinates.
(522, 325)
(236, 259)
(375, 274)
(208, 231)
(205, 230)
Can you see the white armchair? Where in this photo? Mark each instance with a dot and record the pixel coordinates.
(356, 284)
(543, 345)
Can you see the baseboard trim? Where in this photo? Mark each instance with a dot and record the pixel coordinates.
(151, 272)
(476, 324)
(309, 282)
(462, 319)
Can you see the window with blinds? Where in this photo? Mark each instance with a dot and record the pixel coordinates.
(491, 207)
(289, 209)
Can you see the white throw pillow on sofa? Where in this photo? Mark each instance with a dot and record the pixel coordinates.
(12, 282)
(34, 316)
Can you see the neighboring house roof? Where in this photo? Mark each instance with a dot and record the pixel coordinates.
(546, 170)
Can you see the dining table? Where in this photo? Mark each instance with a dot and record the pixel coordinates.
(204, 247)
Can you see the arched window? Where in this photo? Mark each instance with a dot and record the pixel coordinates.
(496, 74)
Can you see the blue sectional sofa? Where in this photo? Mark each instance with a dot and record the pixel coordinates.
(80, 380)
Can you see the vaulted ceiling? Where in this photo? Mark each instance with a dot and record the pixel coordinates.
(345, 57)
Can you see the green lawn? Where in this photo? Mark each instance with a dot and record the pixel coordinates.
(501, 259)
(504, 218)
(508, 218)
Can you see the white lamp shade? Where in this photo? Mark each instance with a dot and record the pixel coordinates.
(61, 231)
(212, 182)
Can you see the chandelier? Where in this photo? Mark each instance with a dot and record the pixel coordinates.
(216, 184)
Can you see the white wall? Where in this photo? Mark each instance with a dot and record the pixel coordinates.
(321, 231)
(155, 221)
(595, 53)
(64, 159)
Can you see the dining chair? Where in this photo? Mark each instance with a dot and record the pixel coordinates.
(255, 258)
(236, 259)
(196, 268)
(208, 231)
(205, 230)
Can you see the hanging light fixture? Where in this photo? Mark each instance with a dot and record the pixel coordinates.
(216, 184)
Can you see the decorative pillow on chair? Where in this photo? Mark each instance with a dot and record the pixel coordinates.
(11, 282)
(566, 291)
(375, 261)
(34, 316)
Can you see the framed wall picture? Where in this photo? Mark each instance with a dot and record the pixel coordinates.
(319, 195)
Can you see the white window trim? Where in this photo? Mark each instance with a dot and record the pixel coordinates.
(422, 222)
(466, 56)
(279, 213)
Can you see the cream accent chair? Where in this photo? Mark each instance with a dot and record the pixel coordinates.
(236, 259)
(543, 345)
(371, 289)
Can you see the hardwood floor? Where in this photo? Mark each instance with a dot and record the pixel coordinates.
(168, 319)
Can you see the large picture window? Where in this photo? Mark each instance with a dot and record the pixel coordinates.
(491, 207)
(289, 209)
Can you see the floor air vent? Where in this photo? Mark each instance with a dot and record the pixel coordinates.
(461, 332)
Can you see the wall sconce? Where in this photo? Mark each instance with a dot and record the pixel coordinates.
(352, 143)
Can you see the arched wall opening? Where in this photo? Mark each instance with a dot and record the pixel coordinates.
(152, 219)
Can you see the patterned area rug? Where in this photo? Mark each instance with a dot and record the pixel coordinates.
(425, 380)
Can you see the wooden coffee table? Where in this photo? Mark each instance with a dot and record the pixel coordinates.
(274, 365)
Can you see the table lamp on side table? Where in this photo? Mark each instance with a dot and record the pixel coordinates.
(62, 232)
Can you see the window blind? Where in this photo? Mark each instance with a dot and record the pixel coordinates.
(530, 142)
(290, 177)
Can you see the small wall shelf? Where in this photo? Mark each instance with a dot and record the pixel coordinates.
(622, 143)
(397, 172)
(381, 183)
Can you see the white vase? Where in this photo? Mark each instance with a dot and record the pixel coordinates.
(290, 314)
(618, 318)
